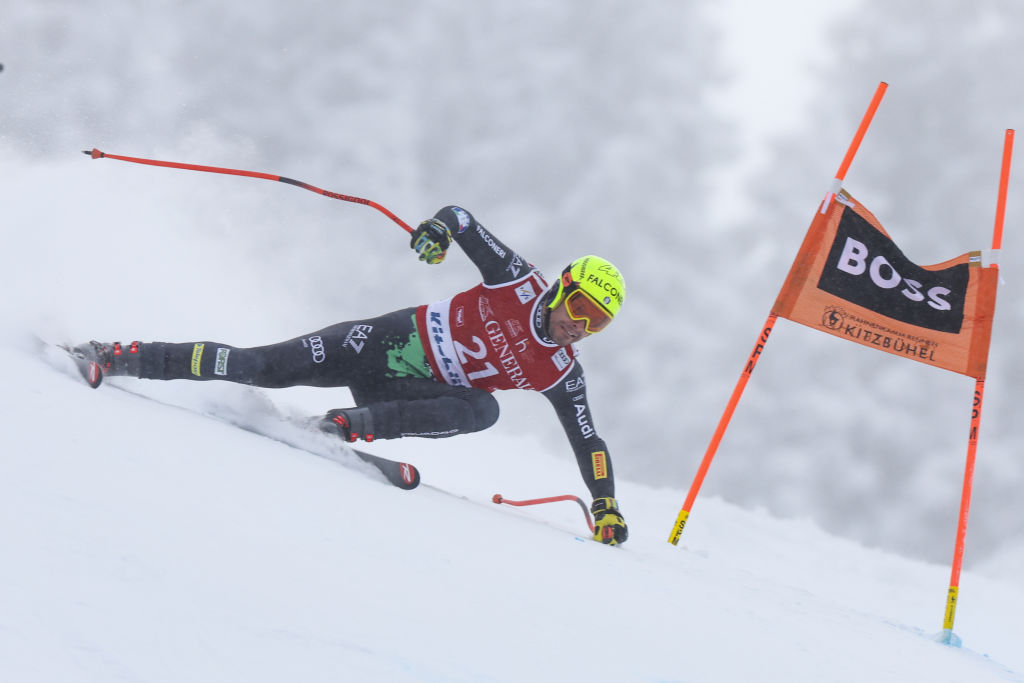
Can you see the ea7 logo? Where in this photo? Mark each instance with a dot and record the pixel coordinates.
(516, 265)
(574, 385)
(357, 337)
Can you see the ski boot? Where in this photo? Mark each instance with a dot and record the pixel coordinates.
(112, 358)
(351, 424)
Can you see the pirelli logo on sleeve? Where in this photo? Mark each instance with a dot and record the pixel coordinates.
(600, 462)
(197, 359)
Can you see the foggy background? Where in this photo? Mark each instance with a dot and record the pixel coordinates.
(648, 132)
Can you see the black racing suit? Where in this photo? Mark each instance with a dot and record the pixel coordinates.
(426, 371)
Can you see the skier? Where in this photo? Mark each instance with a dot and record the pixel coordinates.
(429, 371)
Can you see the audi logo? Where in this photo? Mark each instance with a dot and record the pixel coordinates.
(316, 345)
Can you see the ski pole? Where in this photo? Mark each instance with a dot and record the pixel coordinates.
(553, 499)
(97, 154)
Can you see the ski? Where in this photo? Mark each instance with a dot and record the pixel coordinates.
(90, 370)
(400, 474)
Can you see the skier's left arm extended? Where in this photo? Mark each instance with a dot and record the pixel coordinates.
(569, 399)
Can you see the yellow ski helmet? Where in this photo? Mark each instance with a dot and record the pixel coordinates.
(593, 290)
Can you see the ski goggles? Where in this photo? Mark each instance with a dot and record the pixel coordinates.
(581, 306)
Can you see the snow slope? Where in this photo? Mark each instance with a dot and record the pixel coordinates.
(143, 542)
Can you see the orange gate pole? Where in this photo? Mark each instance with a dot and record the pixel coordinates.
(947, 635)
(762, 340)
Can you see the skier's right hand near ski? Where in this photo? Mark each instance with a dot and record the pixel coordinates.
(609, 526)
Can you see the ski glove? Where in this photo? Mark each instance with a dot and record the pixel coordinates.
(431, 240)
(609, 527)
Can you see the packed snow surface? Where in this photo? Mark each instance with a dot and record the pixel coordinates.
(146, 541)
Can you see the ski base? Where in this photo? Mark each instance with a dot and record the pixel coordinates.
(400, 474)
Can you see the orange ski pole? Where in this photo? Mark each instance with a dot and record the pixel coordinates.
(97, 154)
(497, 498)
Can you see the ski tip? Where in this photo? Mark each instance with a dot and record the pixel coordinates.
(90, 370)
(410, 477)
(93, 374)
(400, 474)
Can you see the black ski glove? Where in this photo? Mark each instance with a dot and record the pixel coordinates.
(431, 240)
(609, 527)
